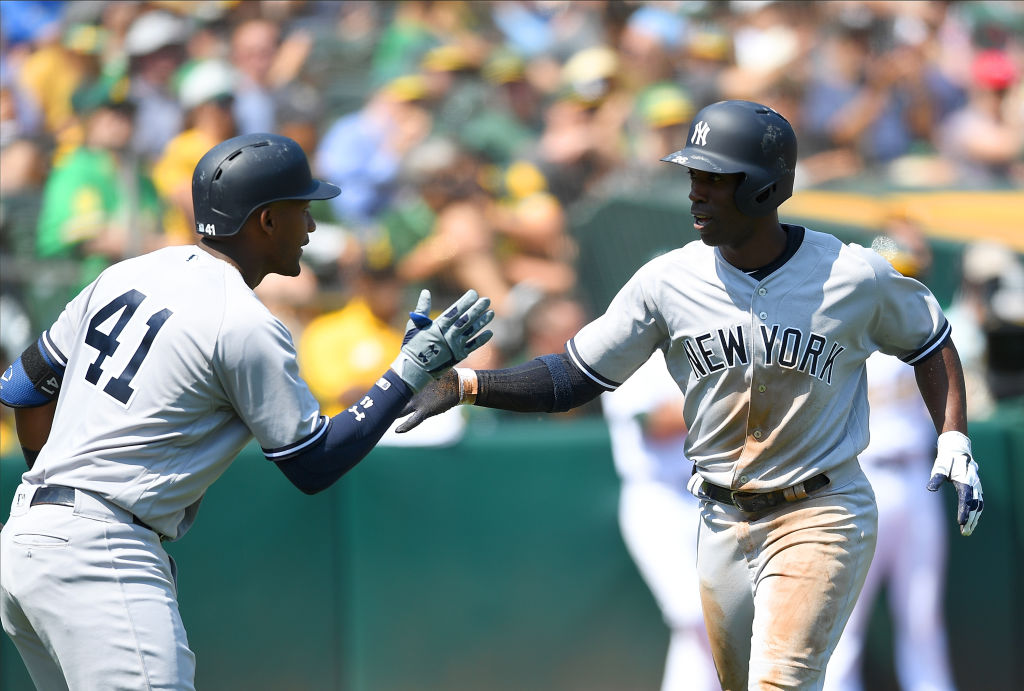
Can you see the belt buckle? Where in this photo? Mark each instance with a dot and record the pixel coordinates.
(748, 502)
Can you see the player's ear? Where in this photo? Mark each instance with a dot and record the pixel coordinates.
(265, 214)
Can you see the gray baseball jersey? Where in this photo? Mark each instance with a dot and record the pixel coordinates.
(773, 370)
(201, 383)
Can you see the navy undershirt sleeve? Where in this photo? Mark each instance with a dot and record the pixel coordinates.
(351, 434)
(547, 384)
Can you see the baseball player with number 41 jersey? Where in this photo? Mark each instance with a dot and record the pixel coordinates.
(142, 393)
(765, 327)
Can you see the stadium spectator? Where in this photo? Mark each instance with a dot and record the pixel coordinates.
(266, 64)
(253, 47)
(455, 90)
(341, 352)
(650, 46)
(984, 139)
(440, 234)
(155, 46)
(363, 151)
(659, 120)
(98, 205)
(206, 94)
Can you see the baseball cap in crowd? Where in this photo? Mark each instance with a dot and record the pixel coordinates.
(85, 39)
(155, 30)
(449, 57)
(408, 87)
(994, 69)
(106, 92)
(665, 104)
(588, 74)
(205, 81)
(504, 66)
(709, 43)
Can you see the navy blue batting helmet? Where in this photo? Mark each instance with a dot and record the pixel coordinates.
(748, 138)
(243, 173)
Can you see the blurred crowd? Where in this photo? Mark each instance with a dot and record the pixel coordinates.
(463, 136)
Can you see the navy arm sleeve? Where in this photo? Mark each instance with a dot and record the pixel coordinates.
(33, 380)
(351, 434)
(548, 384)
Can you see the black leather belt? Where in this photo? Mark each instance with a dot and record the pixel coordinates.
(756, 502)
(59, 495)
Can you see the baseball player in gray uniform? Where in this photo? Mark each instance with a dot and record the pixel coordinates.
(143, 391)
(765, 327)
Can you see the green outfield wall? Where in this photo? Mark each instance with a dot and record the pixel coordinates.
(496, 564)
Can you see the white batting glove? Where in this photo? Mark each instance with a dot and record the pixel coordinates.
(955, 463)
(430, 347)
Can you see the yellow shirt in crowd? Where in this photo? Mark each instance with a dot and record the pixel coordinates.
(342, 353)
(172, 175)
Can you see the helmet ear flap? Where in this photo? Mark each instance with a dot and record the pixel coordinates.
(756, 201)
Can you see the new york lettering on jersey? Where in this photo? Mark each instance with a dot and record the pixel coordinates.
(788, 347)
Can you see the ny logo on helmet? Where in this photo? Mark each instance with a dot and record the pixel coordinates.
(700, 134)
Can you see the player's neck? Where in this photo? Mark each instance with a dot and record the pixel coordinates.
(763, 245)
(226, 253)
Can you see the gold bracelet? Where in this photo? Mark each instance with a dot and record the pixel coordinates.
(467, 385)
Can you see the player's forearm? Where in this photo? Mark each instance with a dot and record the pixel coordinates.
(547, 384)
(352, 435)
(940, 377)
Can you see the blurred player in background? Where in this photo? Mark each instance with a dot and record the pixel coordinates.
(910, 556)
(658, 516)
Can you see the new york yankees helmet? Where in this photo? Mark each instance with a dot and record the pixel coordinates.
(243, 173)
(748, 138)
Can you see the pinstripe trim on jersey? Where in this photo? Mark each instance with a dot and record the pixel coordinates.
(603, 382)
(301, 445)
(57, 358)
(928, 348)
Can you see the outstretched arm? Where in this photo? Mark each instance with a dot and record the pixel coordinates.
(429, 350)
(548, 384)
(940, 377)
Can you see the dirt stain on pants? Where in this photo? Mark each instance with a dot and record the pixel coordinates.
(778, 589)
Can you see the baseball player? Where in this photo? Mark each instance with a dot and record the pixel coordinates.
(765, 327)
(658, 517)
(143, 391)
